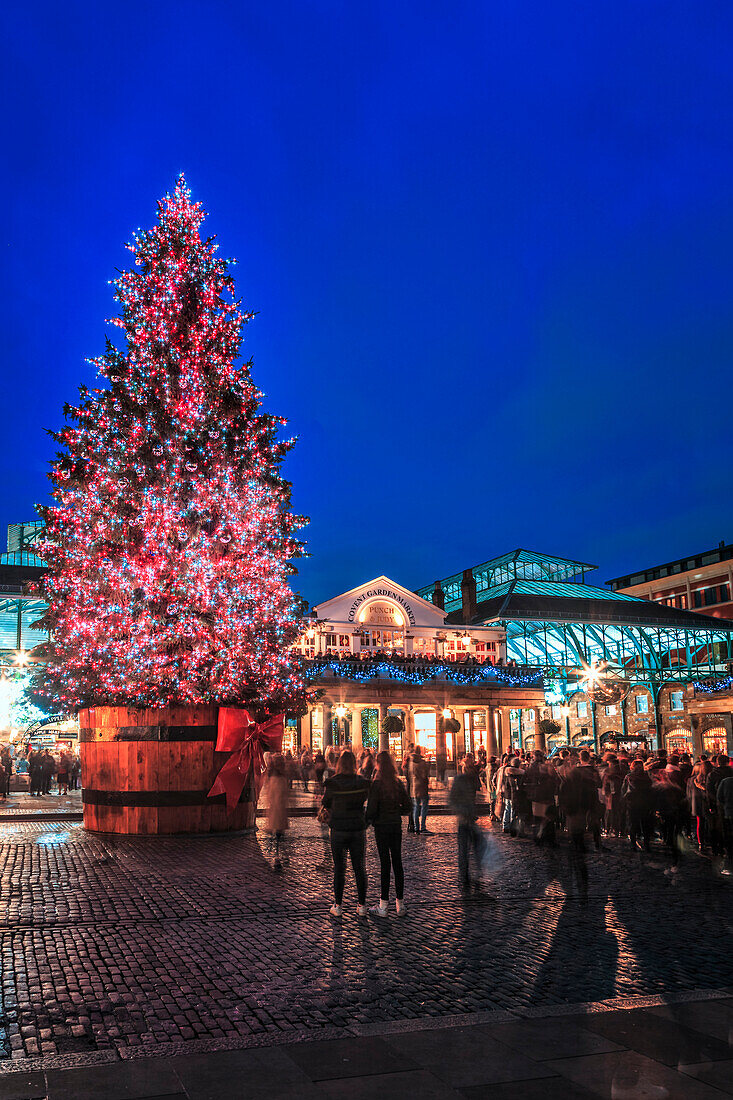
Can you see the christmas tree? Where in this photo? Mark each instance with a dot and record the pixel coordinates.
(171, 539)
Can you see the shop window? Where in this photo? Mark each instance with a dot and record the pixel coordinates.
(290, 735)
(557, 712)
(370, 728)
(676, 700)
(425, 732)
(711, 596)
(697, 598)
(582, 709)
(724, 593)
(642, 704)
(715, 741)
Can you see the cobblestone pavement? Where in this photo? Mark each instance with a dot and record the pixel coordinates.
(21, 804)
(117, 948)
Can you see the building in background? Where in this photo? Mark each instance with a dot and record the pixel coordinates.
(700, 582)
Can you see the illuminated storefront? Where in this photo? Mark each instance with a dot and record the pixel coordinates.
(393, 673)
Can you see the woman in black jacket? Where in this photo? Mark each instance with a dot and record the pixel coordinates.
(388, 803)
(344, 796)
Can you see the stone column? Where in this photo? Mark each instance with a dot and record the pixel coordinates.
(656, 695)
(492, 743)
(440, 746)
(409, 735)
(383, 737)
(356, 742)
(696, 731)
(540, 741)
(327, 731)
(305, 729)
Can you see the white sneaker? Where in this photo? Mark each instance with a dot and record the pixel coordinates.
(361, 910)
(726, 871)
(379, 910)
(335, 910)
(401, 907)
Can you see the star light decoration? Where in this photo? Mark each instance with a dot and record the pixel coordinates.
(171, 539)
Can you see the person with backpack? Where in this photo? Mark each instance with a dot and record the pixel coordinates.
(388, 803)
(342, 807)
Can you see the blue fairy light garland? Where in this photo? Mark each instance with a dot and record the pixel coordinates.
(362, 671)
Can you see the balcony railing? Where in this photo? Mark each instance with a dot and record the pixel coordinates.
(419, 670)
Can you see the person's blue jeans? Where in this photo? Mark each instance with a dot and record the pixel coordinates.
(508, 817)
(419, 812)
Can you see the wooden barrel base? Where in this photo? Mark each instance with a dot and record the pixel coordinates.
(148, 772)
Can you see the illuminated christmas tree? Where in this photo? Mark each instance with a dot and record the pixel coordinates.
(171, 538)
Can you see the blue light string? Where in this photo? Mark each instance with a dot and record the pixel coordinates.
(360, 672)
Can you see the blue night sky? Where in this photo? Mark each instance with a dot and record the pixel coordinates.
(491, 247)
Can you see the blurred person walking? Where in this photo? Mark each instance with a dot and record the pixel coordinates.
(638, 798)
(419, 777)
(462, 801)
(275, 797)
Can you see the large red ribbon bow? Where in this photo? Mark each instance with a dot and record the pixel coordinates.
(248, 742)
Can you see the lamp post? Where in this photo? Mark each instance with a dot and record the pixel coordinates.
(566, 716)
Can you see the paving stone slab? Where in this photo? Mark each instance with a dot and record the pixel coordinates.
(547, 1088)
(122, 1081)
(467, 1056)
(355, 1057)
(23, 1086)
(718, 1074)
(392, 1086)
(553, 1038)
(659, 1038)
(598, 1073)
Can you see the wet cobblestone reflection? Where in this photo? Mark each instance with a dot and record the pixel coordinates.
(135, 943)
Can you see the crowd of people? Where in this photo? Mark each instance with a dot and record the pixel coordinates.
(42, 768)
(635, 797)
(638, 798)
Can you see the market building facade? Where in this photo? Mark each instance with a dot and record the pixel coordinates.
(380, 651)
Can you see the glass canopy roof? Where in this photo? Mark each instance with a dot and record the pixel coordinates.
(517, 565)
(553, 619)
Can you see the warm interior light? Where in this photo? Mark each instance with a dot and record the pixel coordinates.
(565, 711)
(446, 713)
(340, 711)
(21, 658)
